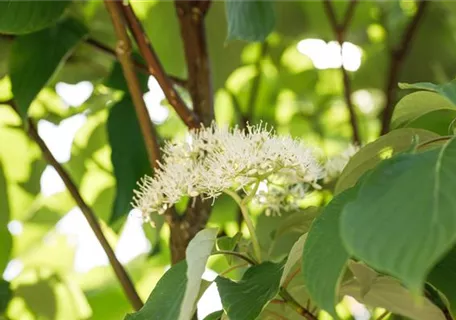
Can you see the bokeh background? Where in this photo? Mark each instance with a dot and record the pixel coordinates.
(293, 81)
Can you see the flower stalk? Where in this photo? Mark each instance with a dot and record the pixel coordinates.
(248, 221)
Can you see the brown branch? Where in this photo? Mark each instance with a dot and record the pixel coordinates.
(397, 57)
(112, 53)
(138, 65)
(339, 30)
(123, 52)
(90, 216)
(191, 15)
(155, 67)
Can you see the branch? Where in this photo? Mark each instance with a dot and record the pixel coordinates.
(383, 315)
(291, 277)
(90, 216)
(236, 254)
(191, 19)
(123, 52)
(339, 31)
(397, 57)
(154, 66)
(138, 65)
(295, 305)
(111, 52)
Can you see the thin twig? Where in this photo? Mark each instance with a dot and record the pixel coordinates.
(236, 254)
(155, 67)
(397, 57)
(339, 30)
(383, 315)
(237, 266)
(438, 139)
(295, 305)
(90, 216)
(138, 65)
(123, 52)
(291, 277)
(112, 53)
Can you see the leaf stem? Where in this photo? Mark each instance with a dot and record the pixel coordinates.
(248, 222)
(244, 264)
(236, 254)
(438, 139)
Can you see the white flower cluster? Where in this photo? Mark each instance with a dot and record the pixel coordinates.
(279, 198)
(215, 159)
(335, 165)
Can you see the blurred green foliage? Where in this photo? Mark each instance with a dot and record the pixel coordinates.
(271, 82)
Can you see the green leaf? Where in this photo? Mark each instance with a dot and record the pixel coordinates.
(229, 244)
(298, 222)
(438, 121)
(417, 104)
(129, 156)
(217, 315)
(5, 236)
(18, 17)
(35, 57)
(388, 293)
(165, 300)
(324, 256)
(278, 234)
(364, 275)
(447, 90)
(294, 256)
(443, 277)
(409, 188)
(244, 300)
(373, 153)
(250, 20)
(5, 295)
(198, 251)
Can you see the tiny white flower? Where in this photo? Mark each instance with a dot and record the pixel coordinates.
(215, 159)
